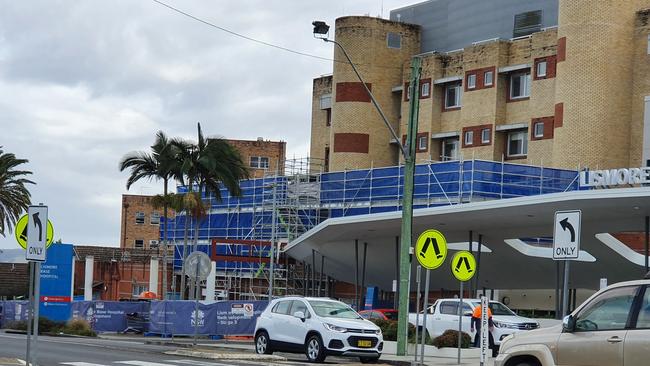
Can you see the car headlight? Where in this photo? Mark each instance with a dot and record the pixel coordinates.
(335, 328)
(505, 325)
(378, 331)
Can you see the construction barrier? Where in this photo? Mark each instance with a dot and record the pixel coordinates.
(13, 311)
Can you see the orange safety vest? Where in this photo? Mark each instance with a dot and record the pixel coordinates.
(477, 312)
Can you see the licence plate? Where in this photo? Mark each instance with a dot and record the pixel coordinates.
(364, 343)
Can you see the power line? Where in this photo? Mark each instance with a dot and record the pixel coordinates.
(241, 35)
(257, 40)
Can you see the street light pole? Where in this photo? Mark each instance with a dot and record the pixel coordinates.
(408, 152)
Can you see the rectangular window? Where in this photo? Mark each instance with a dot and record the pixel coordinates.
(517, 143)
(328, 116)
(648, 44)
(422, 143)
(541, 69)
(424, 92)
(471, 81)
(408, 92)
(449, 149)
(138, 289)
(527, 23)
(539, 129)
(326, 101)
(452, 96)
(520, 85)
(153, 243)
(469, 137)
(394, 40)
(154, 219)
(139, 217)
(487, 77)
(138, 243)
(485, 136)
(259, 162)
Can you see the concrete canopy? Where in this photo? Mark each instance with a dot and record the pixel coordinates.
(509, 265)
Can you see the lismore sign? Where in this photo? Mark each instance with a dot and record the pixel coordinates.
(615, 177)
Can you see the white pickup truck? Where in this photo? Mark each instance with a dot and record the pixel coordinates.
(443, 315)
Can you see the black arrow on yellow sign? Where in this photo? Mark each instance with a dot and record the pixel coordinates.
(467, 266)
(426, 245)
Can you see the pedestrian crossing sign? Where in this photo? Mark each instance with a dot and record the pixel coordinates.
(463, 266)
(431, 249)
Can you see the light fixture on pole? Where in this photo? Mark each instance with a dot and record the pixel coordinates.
(321, 31)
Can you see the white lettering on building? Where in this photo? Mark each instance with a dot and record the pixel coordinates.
(615, 177)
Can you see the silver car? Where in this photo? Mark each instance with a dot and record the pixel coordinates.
(611, 328)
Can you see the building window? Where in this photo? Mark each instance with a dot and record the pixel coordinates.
(539, 129)
(485, 136)
(138, 289)
(541, 69)
(648, 44)
(449, 149)
(471, 81)
(487, 77)
(527, 23)
(520, 85)
(469, 137)
(394, 40)
(424, 92)
(138, 243)
(153, 243)
(422, 143)
(154, 219)
(259, 162)
(139, 217)
(328, 117)
(453, 96)
(408, 91)
(326, 101)
(517, 143)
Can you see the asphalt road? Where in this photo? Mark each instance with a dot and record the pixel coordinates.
(59, 351)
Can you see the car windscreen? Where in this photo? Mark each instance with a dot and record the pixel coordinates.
(333, 309)
(500, 309)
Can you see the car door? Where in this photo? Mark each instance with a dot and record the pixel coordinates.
(600, 330)
(447, 317)
(279, 331)
(637, 340)
(296, 328)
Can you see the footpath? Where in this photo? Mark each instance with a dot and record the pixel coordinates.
(245, 351)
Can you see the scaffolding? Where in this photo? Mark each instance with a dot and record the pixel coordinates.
(239, 231)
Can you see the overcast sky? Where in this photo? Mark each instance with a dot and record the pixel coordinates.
(84, 82)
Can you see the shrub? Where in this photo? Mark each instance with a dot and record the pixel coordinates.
(389, 329)
(45, 325)
(79, 327)
(450, 339)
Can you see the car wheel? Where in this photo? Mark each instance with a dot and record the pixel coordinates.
(263, 344)
(314, 349)
(369, 359)
(526, 364)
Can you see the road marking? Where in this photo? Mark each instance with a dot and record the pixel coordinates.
(198, 363)
(81, 364)
(143, 363)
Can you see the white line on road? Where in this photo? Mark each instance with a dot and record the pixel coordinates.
(198, 363)
(81, 364)
(143, 363)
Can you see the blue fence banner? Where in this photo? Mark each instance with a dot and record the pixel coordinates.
(13, 311)
(180, 317)
(111, 316)
(238, 317)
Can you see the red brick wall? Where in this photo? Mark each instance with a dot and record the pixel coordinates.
(548, 128)
(352, 92)
(559, 114)
(476, 141)
(480, 78)
(351, 142)
(561, 49)
(551, 63)
(274, 150)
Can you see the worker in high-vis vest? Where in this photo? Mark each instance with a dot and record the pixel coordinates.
(476, 325)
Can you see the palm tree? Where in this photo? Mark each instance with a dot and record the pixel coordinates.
(161, 163)
(209, 164)
(14, 196)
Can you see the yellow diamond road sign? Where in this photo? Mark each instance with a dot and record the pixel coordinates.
(463, 266)
(21, 232)
(431, 249)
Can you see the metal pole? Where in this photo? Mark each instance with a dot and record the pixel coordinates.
(460, 319)
(30, 313)
(425, 307)
(320, 279)
(647, 242)
(37, 302)
(395, 297)
(565, 289)
(417, 312)
(363, 274)
(471, 244)
(356, 273)
(196, 308)
(273, 221)
(313, 272)
(558, 301)
(407, 210)
(477, 283)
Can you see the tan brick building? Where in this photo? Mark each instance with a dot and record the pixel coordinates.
(262, 156)
(568, 88)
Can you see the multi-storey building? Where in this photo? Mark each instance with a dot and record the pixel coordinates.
(262, 156)
(560, 83)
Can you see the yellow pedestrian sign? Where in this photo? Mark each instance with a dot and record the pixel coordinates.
(431, 249)
(463, 266)
(21, 232)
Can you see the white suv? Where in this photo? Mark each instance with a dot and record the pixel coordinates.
(318, 327)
